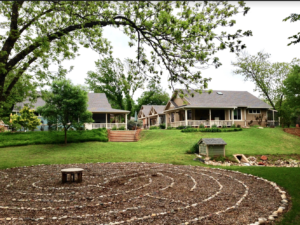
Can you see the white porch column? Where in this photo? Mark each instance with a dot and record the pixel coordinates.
(166, 121)
(232, 116)
(210, 118)
(273, 116)
(245, 117)
(157, 122)
(125, 121)
(106, 120)
(186, 122)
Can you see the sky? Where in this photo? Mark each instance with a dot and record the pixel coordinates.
(270, 34)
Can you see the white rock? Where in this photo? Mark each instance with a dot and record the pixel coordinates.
(262, 220)
(270, 218)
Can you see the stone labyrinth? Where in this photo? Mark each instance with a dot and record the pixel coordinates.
(137, 193)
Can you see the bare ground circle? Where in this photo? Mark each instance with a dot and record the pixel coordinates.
(137, 193)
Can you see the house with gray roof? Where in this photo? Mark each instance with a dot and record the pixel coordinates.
(103, 114)
(220, 108)
(152, 115)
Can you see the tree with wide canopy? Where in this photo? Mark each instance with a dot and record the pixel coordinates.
(182, 36)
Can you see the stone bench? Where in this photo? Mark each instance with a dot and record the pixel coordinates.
(72, 172)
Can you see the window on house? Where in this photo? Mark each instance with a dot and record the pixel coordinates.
(189, 114)
(237, 114)
(254, 111)
(172, 117)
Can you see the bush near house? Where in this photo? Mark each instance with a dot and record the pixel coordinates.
(154, 128)
(52, 137)
(211, 129)
(162, 126)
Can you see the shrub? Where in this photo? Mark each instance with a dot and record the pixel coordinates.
(162, 126)
(131, 124)
(154, 128)
(211, 130)
(170, 128)
(121, 128)
(250, 122)
(114, 128)
(201, 125)
(233, 126)
(54, 137)
(238, 126)
(183, 127)
(189, 130)
(224, 126)
(219, 158)
(214, 126)
(193, 149)
(2, 129)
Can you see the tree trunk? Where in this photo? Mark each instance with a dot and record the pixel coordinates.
(65, 136)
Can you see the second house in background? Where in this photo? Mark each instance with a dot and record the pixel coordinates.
(152, 115)
(220, 108)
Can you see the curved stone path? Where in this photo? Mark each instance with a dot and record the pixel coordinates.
(138, 193)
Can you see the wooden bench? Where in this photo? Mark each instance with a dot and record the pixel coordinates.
(72, 172)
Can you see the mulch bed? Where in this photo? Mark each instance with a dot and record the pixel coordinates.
(136, 193)
(294, 131)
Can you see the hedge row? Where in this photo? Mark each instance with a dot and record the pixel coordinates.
(51, 137)
(211, 129)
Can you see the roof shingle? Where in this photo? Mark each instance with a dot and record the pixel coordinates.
(228, 99)
(159, 108)
(97, 102)
(212, 141)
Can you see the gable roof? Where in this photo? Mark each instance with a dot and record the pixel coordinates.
(146, 109)
(159, 108)
(39, 102)
(97, 102)
(228, 99)
(212, 141)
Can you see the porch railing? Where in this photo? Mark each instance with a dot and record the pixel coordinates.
(221, 123)
(109, 125)
(197, 123)
(273, 123)
(176, 124)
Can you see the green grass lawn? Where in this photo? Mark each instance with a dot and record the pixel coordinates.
(169, 146)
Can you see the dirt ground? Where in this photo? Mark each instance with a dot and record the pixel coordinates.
(136, 193)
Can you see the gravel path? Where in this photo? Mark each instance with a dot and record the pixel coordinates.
(137, 193)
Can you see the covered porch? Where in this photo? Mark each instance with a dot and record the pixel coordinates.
(155, 120)
(108, 120)
(203, 116)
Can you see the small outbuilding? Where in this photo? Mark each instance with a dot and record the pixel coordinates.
(212, 146)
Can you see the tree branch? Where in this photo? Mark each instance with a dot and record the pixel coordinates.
(14, 33)
(17, 77)
(33, 20)
(21, 55)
